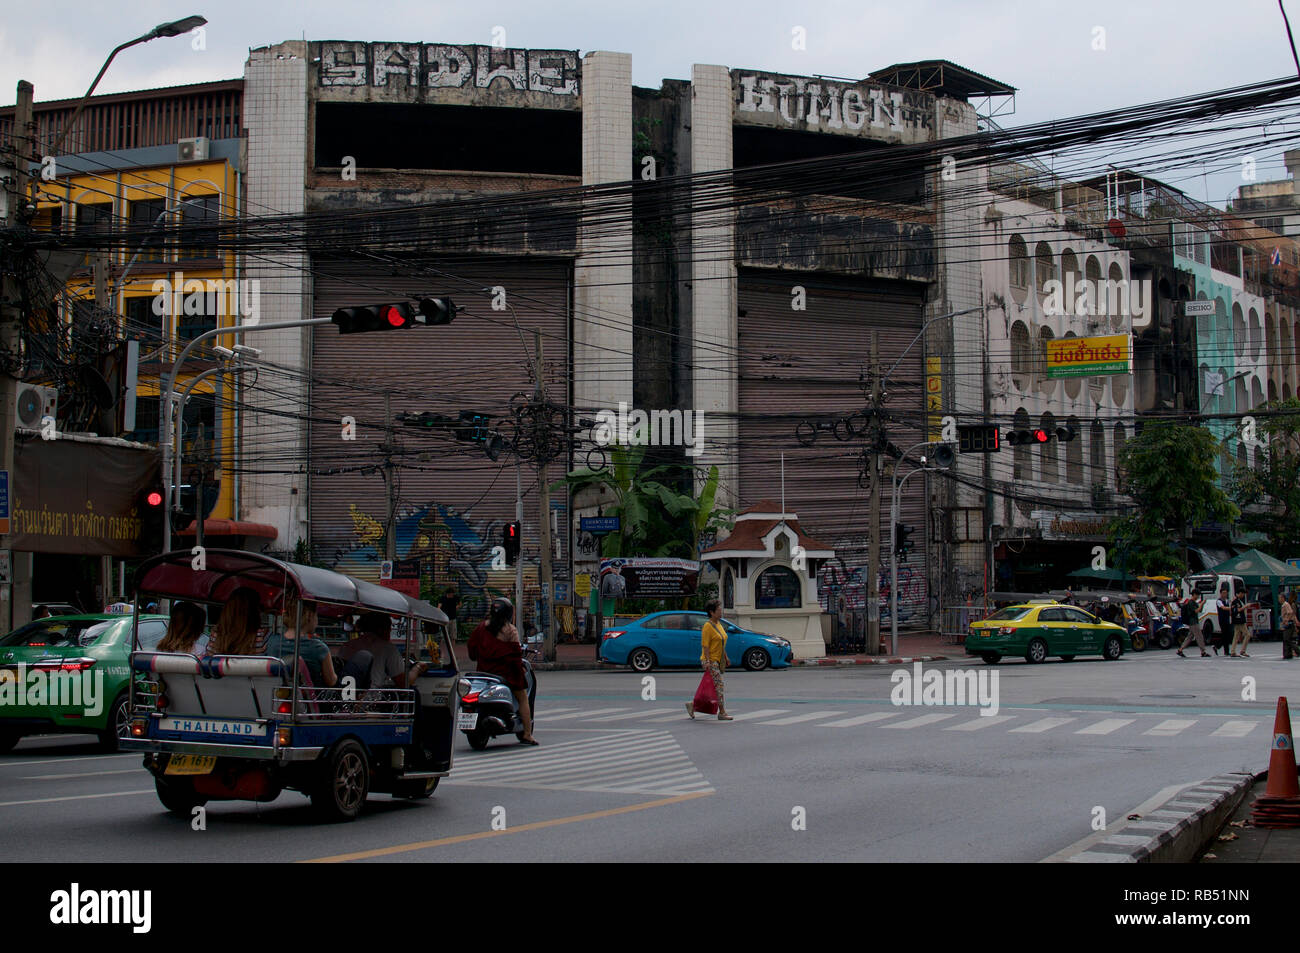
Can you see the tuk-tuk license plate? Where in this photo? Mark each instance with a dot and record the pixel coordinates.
(191, 764)
(467, 720)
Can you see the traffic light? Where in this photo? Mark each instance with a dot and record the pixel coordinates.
(510, 541)
(1066, 434)
(978, 438)
(391, 317)
(1062, 434)
(149, 507)
(477, 428)
(902, 545)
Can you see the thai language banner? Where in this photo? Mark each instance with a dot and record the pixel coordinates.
(647, 576)
(1088, 357)
(82, 498)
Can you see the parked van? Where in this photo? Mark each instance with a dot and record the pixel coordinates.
(1207, 585)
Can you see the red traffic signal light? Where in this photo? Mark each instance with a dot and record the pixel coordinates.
(1040, 436)
(389, 317)
(153, 498)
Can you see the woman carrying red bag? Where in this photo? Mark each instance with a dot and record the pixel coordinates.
(713, 659)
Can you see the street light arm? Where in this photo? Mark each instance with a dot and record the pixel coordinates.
(937, 317)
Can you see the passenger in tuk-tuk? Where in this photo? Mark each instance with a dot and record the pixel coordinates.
(372, 658)
(311, 650)
(236, 630)
(184, 628)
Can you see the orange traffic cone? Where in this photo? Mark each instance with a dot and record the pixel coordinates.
(1279, 805)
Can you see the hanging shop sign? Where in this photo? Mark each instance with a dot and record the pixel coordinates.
(1089, 357)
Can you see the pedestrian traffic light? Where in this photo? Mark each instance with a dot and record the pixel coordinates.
(510, 541)
(902, 544)
(390, 317)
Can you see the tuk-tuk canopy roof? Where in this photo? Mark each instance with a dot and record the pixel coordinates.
(1258, 569)
(171, 575)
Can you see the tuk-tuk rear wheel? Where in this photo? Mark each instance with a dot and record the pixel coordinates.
(415, 789)
(178, 796)
(1138, 642)
(343, 785)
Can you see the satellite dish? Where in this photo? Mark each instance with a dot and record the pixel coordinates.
(101, 395)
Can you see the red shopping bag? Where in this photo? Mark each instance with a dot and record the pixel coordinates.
(706, 697)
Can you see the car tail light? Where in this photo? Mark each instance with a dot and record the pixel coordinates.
(1007, 630)
(138, 728)
(283, 708)
(470, 699)
(615, 633)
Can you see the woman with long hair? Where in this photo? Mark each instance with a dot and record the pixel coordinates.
(311, 650)
(236, 631)
(184, 628)
(495, 646)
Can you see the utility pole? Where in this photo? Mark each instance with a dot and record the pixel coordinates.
(873, 541)
(16, 179)
(543, 517)
(390, 519)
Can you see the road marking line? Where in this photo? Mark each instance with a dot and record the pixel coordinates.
(1171, 726)
(679, 713)
(761, 713)
(645, 714)
(74, 797)
(1106, 726)
(806, 716)
(49, 761)
(1235, 729)
(579, 714)
(1043, 724)
(919, 721)
(595, 754)
(983, 721)
(861, 719)
(579, 766)
(80, 774)
(481, 835)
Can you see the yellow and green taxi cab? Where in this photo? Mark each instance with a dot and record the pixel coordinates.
(1042, 628)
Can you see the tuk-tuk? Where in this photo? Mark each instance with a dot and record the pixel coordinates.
(246, 727)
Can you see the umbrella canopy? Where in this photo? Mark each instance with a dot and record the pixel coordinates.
(1259, 569)
(1113, 575)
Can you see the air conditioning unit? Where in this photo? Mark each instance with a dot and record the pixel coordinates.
(193, 150)
(33, 403)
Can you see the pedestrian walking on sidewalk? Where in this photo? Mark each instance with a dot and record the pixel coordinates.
(1192, 619)
(1240, 631)
(1290, 623)
(713, 655)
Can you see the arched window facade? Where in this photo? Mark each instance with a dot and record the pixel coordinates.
(1121, 436)
(1021, 359)
(777, 587)
(1074, 455)
(1049, 470)
(1018, 262)
(1044, 268)
(1073, 385)
(1020, 457)
(1046, 385)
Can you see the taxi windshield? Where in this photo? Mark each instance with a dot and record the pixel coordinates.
(1011, 613)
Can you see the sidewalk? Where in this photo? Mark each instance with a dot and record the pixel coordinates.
(1247, 844)
(912, 647)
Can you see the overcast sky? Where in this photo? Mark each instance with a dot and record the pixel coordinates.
(1154, 49)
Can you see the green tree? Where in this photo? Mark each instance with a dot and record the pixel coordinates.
(1269, 493)
(654, 518)
(1168, 470)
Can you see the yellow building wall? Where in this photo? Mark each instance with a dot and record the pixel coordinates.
(172, 184)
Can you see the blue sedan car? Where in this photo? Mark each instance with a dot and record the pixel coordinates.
(673, 638)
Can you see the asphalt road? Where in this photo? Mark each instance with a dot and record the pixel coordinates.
(623, 778)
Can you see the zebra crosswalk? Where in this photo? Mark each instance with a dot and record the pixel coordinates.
(636, 761)
(906, 718)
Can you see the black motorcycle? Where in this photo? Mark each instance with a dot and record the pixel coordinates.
(489, 709)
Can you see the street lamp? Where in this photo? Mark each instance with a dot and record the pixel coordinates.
(893, 541)
(174, 28)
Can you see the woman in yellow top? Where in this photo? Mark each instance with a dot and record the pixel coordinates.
(713, 655)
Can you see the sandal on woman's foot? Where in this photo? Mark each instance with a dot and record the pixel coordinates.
(529, 741)
(722, 717)
(690, 709)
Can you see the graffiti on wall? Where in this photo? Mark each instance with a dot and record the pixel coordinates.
(816, 104)
(444, 66)
(842, 589)
(454, 550)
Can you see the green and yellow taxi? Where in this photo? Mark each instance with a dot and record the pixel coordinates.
(1041, 629)
(69, 674)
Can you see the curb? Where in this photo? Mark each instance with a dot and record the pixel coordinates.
(904, 660)
(1178, 830)
(594, 666)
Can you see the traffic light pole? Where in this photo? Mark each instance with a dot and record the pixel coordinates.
(873, 540)
(544, 522)
(893, 554)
